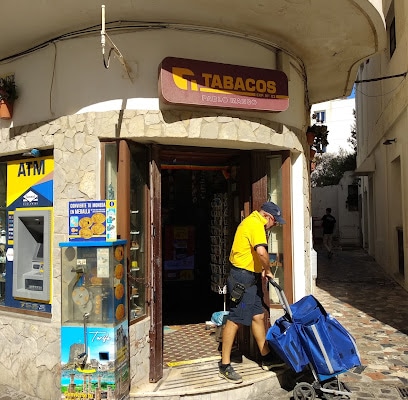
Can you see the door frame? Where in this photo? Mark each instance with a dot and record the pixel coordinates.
(253, 169)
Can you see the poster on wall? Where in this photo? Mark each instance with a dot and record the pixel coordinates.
(95, 366)
(93, 219)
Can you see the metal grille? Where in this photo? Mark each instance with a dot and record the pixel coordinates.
(403, 391)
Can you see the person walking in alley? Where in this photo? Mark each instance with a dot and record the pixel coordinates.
(250, 263)
(328, 223)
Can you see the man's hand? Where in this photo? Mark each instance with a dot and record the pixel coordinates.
(266, 273)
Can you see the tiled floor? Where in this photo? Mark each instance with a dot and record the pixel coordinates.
(189, 342)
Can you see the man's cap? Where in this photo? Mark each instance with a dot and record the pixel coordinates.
(273, 209)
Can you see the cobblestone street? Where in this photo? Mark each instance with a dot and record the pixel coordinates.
(373, 308)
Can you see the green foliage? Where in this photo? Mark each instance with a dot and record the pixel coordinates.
(320, 132)
(331, 167)
(353, 138)
(8, 89)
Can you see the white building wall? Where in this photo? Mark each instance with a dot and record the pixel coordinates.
(347, 229)
(339, 121)
(381, 115)
(349, 220)
(70, 77)
(322, 198)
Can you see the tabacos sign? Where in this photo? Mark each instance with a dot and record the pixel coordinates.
(202, 83)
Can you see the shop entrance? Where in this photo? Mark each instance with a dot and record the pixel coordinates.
(180, 234)
(200, 212)
(187, 213)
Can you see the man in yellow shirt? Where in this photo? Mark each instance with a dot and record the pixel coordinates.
(250, 263)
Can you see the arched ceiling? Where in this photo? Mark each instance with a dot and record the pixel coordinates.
(331, 38)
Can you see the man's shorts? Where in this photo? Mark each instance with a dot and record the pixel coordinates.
(251, 303)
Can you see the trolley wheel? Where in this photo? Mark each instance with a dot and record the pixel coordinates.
(304, 391)
(335, 385)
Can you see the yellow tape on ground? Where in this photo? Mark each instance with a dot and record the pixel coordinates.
(196, 361)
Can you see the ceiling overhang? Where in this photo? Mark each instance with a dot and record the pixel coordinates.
(330, 38)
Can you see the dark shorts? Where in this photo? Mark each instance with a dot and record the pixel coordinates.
(251, 303)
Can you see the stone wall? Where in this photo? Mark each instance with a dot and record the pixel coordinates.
(30, 357)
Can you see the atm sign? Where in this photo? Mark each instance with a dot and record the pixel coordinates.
(194, 82)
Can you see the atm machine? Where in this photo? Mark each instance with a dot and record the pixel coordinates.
(32, 255)
(94, 329)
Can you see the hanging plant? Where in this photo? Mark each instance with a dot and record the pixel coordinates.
(310, 137)
(8, 94)
(320, 132)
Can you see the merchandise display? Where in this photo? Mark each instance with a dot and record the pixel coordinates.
(219, 242)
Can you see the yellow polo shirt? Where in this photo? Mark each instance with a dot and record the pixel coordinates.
(249, 235)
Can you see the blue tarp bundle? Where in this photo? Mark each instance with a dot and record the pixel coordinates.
(313, 336)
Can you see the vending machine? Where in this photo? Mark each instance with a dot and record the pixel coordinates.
(94, 329)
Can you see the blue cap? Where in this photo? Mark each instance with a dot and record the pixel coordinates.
(273, 209)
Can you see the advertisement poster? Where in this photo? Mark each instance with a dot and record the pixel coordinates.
(95, 220)
(100, 371)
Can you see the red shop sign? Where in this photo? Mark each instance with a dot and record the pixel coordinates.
(209, 84)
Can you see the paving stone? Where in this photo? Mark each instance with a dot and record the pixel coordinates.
(369, 304)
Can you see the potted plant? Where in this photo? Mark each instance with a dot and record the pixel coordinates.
(312, 153)
(8, 94)
(319, 134)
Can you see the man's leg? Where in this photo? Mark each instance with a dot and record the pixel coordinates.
(269, 359)
(330, 241)
(258, 330)
(226, 371)
(330, 244)
(228, 336)
(325, 241)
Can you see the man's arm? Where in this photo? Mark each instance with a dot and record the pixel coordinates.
(263, 255)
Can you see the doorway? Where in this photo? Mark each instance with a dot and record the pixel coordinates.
(186, 214)
(197, 233)
(187, 185)
(199, 205)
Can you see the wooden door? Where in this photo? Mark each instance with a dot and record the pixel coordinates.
(156, 320)
(254, 194)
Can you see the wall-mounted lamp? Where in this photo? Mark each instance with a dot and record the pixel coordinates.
(389, 141)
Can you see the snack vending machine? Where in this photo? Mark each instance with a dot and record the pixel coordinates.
(94, 329)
